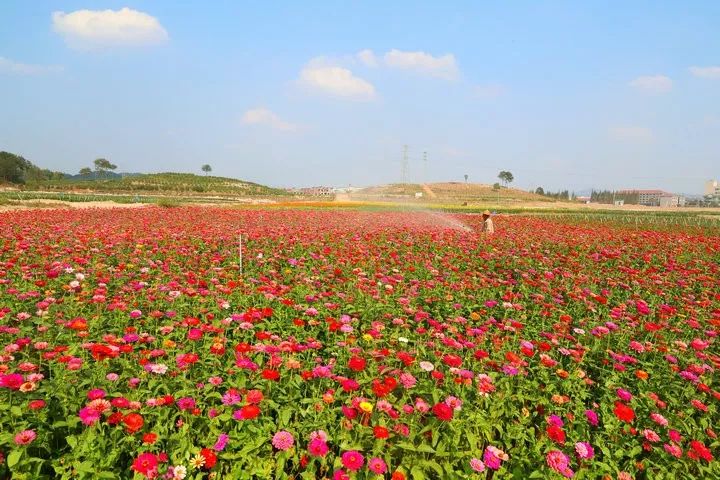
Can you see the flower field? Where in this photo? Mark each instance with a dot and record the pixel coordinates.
(355, 345)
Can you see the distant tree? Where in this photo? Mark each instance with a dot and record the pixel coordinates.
(103, 165)
(496, 186)
(506, 177)
(540, 191)
(85, 171)
(466, 177)
(12, 167)
(206, 168)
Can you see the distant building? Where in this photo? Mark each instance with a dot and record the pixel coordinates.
(313, 191)
(654, 198)
(712, 189)
(672, 201)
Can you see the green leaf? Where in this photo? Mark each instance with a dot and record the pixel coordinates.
(434, 466)
(417, 473)
(407, 446)
(425, 448)
(14, 458)
(85, 466)
(15, 410)
(72, 441)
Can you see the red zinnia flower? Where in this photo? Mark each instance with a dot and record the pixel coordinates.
(133, 422)
(210, 458)
(623, 412)
(380, 432)
(145, 464)
(556, 434)
(250, 412)
(357, 364)
(443, 411)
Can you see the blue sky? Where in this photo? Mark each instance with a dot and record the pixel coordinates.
(562, 94)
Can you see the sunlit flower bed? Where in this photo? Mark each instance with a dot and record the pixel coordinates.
(354, 345)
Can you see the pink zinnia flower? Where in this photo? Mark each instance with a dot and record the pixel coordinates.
(659, 419)
(221, 442)
(559, 462)
(88, 416)
(377, 465)
(477, 465)
(186, 403)
(340, 475)
(673, 450)
(317, 447)
(25, 437)
(592, 418)
(650, 435)
(353, 460)
(624, 395)
(407, 380)
(283, 440)
(584, 450)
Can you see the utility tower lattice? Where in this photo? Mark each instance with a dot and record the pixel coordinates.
(404, 164)
(425, 167)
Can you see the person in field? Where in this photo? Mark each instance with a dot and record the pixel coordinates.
(487, 226)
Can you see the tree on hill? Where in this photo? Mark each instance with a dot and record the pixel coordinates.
(506, 177)
(206, 168)
(12, 167)
(16, 169)
(466, 177)
(103, 165)
(540, 191)
(85, 171)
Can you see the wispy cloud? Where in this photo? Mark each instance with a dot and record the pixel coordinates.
(630, 133)
(706, 72)
(652, 83)
(10, 66)
(98, 29)
(320, 77)
(367, 57)
(444, 66)
(266, 117)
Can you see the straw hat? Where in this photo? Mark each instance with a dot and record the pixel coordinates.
(486, 213)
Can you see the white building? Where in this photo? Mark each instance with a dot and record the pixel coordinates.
(712, 188)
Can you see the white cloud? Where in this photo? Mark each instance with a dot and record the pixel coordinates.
(632, 134)
(442, 67)
(368, 58)
(334, 80)
(705, 72)
(653, 83)
(93, 29)
(263, 116)
(489, 91)
(10, 66)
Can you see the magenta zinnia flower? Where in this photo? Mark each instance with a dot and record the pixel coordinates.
(377, 465)
(221, 442)
(353, 460)
(317, 447)
(283, 440)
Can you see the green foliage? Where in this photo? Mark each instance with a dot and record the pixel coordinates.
(16, 169)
